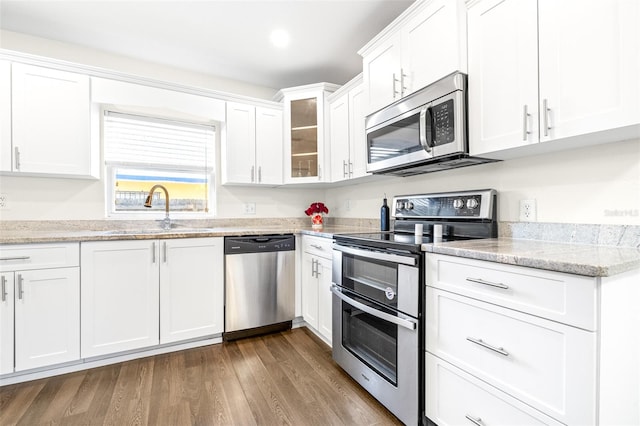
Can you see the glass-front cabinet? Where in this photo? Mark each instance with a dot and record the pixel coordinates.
(306, 155)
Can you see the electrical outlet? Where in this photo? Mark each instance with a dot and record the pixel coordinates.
(4, 202)
(528, 210)
(249, 208)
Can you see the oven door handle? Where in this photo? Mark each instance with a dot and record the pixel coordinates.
(376, 255)
(406, 323)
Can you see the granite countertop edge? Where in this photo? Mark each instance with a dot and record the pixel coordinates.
(579, 259)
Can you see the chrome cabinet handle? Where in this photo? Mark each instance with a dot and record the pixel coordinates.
(350, 169)
(402, 322)
(545, 111)
(318, 273)
(489, 283)
(395, 92)
(525, 120)
(260, 174)
(402, 86)
(164, 251)
(153, 252)
(17, 157)
(314, 265)
(16, 258)
(316, 246)
(253, 173)
(20, 286)
(500, 350)
(344, 168)
(476, 421)
(4, 288)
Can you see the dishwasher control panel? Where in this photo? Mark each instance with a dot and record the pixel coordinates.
(259, 244)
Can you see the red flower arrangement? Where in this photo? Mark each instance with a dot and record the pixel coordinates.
(316, 207)
(316, 210)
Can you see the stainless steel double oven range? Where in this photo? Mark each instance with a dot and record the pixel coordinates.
(378, 293)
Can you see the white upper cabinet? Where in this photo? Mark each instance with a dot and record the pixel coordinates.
(252, 147)
(503, 75)
(532, 80)
(590, 74)
(51, 122)
(427, 42)
(5, 116)
(347, 133)
(306, 152)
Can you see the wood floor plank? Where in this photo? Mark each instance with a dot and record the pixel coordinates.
(285, 378)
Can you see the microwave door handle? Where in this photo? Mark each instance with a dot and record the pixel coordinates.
(423, 129)
(402, 322)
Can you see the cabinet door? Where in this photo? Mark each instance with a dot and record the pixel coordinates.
(240, 144)
(47, 317)
(191, 288)
(5, 116)
(309, 290)
(590, 74)
(339, 137)
(434, 44)
(382, 73)
(120, 305)
(51, 121)
(358, 141)
(324, 298)
(305, 138)
(6, 322)
(503, 78)
(269, 146)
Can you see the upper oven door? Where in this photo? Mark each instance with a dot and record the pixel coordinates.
(389, 279)
(398, 141)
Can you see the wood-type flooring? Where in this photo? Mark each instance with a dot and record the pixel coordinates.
(285, 378)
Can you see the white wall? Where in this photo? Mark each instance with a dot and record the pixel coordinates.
(599, 184)
(81, 55)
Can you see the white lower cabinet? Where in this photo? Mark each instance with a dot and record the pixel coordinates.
(191, 288)
(120, 296)
(161, 291)
(457, 398)
(39, 306)
(316, 284)
(511, 345)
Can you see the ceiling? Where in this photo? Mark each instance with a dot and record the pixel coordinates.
(223, 38)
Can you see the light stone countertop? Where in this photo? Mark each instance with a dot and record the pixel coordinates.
(580, 259)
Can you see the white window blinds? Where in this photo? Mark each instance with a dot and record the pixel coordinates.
(154, 142)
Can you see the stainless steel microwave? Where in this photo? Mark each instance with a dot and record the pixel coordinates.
(423, 132)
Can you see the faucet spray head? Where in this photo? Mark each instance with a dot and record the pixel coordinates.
(147, 202)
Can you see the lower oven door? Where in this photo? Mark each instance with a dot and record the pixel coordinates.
(379, 348)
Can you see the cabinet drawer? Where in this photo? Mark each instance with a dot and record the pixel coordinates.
(318, 246)
(565, 298)
(547, 365)
(453, 397)
(39, 256)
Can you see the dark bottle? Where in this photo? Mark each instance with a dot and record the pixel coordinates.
(384, 215)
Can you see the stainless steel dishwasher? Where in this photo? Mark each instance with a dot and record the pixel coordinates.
(259, 284)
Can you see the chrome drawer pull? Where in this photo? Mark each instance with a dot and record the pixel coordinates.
(16, 258)
(316, 246)
(477, 422)
(20, 286)
(501, 351)
(489, 283)
(4, 288)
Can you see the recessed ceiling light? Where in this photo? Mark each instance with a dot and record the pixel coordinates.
(280, 38)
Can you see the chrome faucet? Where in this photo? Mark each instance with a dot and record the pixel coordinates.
(166, 223)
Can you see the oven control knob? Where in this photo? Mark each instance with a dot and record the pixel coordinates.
(399, 205)
(472, 203)
(408, 205)
(458, 203)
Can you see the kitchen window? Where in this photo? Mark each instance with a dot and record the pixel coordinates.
(141, 151)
